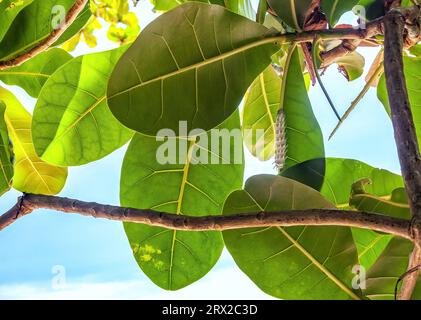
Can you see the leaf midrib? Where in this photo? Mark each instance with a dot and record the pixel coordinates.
(205, 62)
(179, 202)
(313, 260)
(14, 133)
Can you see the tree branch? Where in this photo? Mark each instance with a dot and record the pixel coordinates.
(373, 28)
(315, 217)
(405, 134)
(50, 40)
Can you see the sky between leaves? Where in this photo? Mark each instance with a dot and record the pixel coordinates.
(95, 253)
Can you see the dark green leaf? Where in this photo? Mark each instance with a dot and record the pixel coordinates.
(334, 9)
(292, 12)
(295, 262)
(72, 123)
(9, 9)
(185, 66)
(32, 75)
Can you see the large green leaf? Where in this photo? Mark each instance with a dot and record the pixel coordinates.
(295, 262)
(185, 66)
(9, 9)
(191, 185)
(303, 134)
(32, 175)
(334, 178)
(6, 165)
(72, 123)
(32, 75)
(259, 114)
(412, 67)
(34, 24)
(334, 9)
(292, 12)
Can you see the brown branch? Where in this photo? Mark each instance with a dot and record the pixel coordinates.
(315, 217)
(50, 40)
(350, 45)
(405, 134)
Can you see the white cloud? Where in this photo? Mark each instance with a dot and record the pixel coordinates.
(225, 283)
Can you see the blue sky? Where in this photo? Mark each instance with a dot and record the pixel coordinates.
(95, 253)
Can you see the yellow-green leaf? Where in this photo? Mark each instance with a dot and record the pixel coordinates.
(32, 175)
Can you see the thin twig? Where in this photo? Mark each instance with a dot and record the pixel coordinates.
(319, 79)
(50, 40)
(377, 74)
(314, 217)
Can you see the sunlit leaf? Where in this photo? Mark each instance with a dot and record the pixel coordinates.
(412, 67)
(259, 114)
(32, 75)
(72, 123)
(6, 165)
(31, 175)
(185, 67)
(287, 262)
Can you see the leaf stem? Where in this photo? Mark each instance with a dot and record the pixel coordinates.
(319, 79)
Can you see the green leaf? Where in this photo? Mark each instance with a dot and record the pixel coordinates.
(370, 245)
(185, 66)
(334, 9)
(351, 65)
(303, 134)
(394, 205)
(384, 274)
(175, 259)
(242, 7)
(334, 178)
(31, 174)
(411, 67)
(259, 114)
(9, 9)
(295, 262)
(33, 25)
(32, 75)
(373, 9)
(72, 123)
(292, 12)
(6, 165)
(80, 21)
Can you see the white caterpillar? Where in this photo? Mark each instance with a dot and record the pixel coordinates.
(280, 140)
